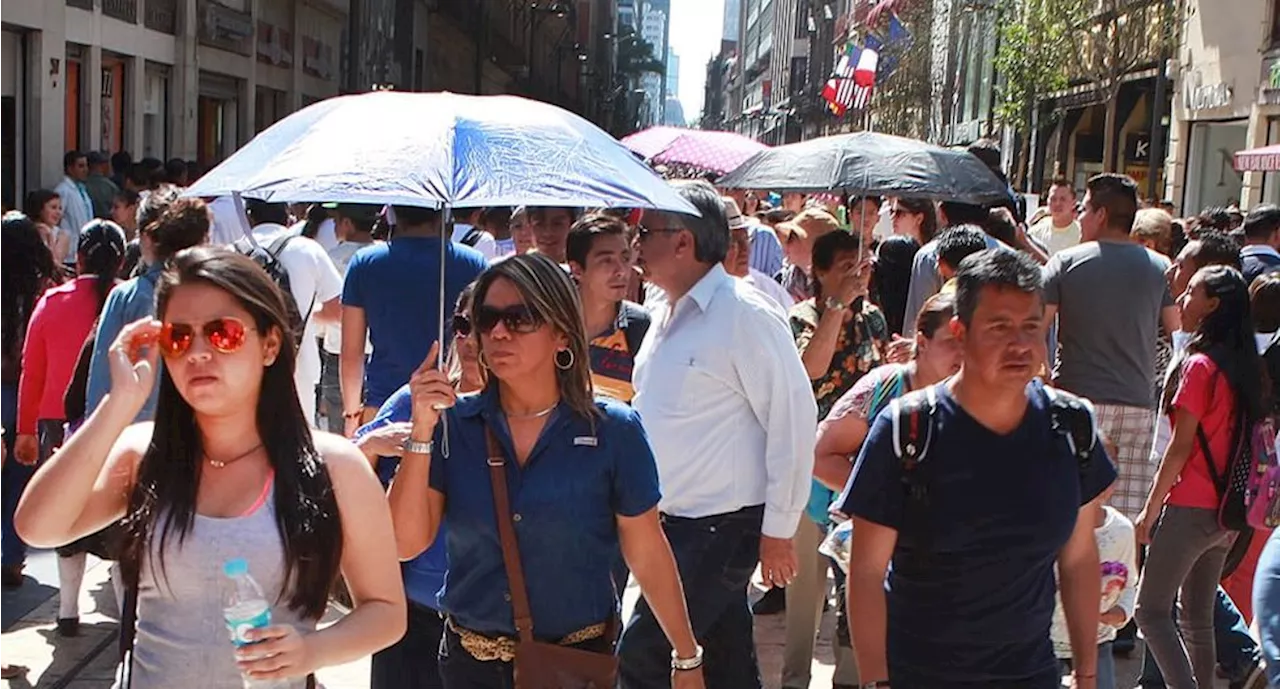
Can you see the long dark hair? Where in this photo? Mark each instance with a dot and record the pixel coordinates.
(1226, 335)
(892, 278)
(316, 215)
(34, 204)
(26, 270)
(929, 225)
(164, 497)
(101, 259)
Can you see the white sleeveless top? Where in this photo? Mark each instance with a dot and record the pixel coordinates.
(182, 639)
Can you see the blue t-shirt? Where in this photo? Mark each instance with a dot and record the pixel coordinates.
(564, 502)
(424, 574)
(974, 608)
(397, 283)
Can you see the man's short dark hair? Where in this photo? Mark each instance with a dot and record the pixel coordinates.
(778, 215)
(988, 151)
(963, 213)
(362, 215)
(120, 162)
(998, 268)
(582, 236)
(407, 216)
(1118, 195)
(1262, 221)
(175, 170)
(958, 243)
(539, 213)
(496, 215)
(260, 212)
(1214, 218)
(70, 159)
(855, 200)
(1216, 248)
(711, 230)
(1063, 182)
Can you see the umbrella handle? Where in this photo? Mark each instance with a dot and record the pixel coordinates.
(446, 236)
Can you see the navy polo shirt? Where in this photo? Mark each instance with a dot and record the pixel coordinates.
(424, 574)
(564, 502)
(974, 608)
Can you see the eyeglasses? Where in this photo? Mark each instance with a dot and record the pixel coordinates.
(642, 231)
(226, 335)
(461, 325)
(517, 319)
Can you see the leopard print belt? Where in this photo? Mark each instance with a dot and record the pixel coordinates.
(485, 648)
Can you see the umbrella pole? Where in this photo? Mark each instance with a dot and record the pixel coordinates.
(446, 236)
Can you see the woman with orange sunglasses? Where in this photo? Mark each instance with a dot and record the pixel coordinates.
(230, 469)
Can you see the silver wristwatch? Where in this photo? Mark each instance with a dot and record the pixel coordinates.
(834, 304)
(418, 447)
(693, 663)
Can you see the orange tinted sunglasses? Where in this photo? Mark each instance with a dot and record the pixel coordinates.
(226, 335)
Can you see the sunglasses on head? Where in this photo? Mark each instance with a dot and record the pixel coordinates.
(225, 335)
(516, 319)
(461, 325)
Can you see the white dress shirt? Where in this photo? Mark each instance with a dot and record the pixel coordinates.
(771, 289)
(77, 210)
(727, 405)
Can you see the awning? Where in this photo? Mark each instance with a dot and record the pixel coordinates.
(1265, 159)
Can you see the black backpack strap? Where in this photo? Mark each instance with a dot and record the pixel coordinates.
(472, 237)
(913, 431)
(1073, 418)
(274, 248)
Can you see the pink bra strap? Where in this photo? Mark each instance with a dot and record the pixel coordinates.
(262, 498)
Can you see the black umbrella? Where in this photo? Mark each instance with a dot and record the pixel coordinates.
(867, 163)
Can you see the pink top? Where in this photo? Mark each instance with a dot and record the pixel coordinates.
(59, 325)
(1204, 392)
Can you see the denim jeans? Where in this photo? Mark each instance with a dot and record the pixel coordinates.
(458, 670)
(1106, 666)
(413, 661)
(716, 556)
(1266, 605)
(331, 393)
(14, 478)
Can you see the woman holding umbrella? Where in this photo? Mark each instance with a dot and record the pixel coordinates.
(575, 475)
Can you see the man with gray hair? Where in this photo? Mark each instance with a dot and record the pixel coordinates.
(732, 421)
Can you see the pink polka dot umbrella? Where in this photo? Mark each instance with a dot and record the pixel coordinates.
(717, 152)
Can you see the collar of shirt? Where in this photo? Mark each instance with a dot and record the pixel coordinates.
(1259, 250)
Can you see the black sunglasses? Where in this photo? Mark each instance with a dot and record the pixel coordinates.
(642, 231)
(516, 319)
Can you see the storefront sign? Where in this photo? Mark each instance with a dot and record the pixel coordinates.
(1199, 96)
(1137, 148)
(225, 28)
(317, 58)
(1080, 99)
(275, 45)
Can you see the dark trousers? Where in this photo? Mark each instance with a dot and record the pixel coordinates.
(412, 662)
(331, 393)
(716, 556)
(460, 671)
(14, 478)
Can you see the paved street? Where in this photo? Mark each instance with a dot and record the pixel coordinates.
(88, 662)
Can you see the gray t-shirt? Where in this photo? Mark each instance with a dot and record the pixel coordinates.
(1109, 297)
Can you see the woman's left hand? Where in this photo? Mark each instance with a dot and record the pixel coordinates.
(277, 652)
(687, 679)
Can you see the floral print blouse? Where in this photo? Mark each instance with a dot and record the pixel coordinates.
(859, 348)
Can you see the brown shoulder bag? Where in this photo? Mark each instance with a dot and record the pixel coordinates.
(541, 665)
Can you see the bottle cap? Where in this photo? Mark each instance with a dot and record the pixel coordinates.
(235, 567)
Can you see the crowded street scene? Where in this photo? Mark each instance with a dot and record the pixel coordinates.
(493, 345)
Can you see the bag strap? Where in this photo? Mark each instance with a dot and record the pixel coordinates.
(1219, 481)
(507, 534)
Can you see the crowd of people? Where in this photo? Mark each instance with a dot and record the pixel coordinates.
(1029, 423)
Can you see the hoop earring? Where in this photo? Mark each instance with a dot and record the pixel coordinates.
(480, 357)
(561, 363)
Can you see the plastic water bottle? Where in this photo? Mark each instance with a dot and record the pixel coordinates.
(245, 608)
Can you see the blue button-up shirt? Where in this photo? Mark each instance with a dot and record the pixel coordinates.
(424, 574)
(564, 502)
(129, 301)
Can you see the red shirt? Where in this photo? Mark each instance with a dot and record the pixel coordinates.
(1203, 391)
(59, 325)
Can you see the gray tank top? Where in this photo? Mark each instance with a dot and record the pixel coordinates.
(182, 639)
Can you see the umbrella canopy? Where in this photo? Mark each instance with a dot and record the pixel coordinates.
(867, 163)
(437, 149)
(1265, 159)
(707, 150)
